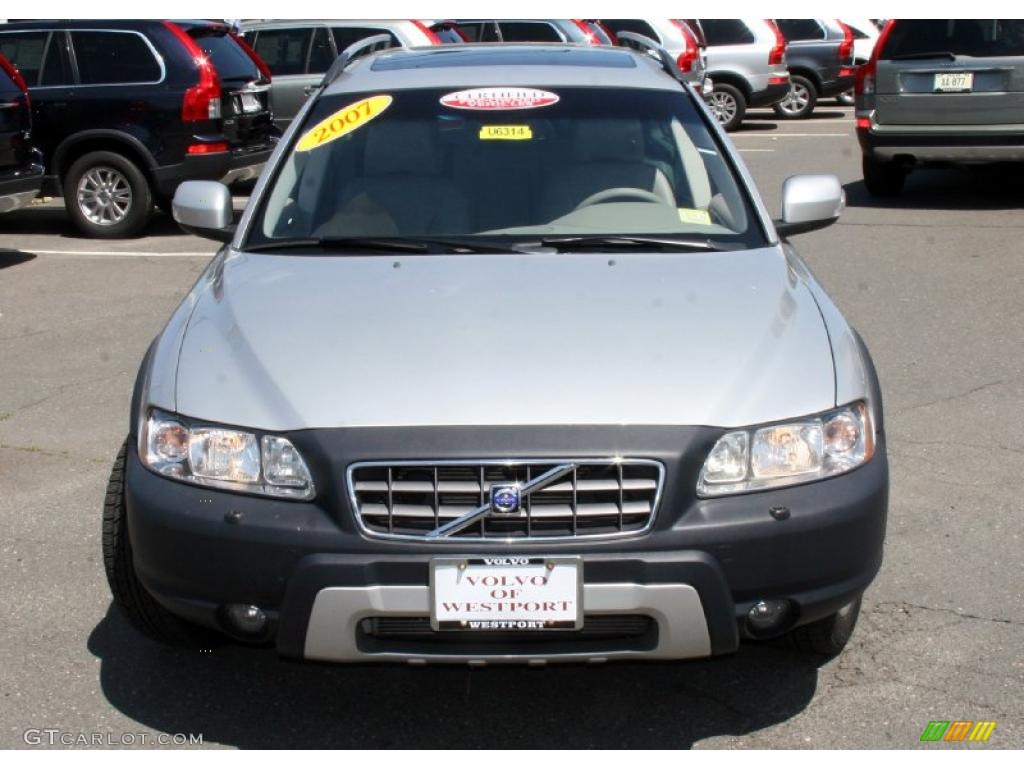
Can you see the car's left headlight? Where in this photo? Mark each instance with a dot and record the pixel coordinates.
(794, 452)
(222, 457)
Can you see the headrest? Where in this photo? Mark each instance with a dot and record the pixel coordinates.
(608, 139)
(400, 146)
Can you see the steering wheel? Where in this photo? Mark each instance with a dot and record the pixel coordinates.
(631, 193)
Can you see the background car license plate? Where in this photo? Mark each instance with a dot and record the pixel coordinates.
(506, 593)
(250, 103)
(954, 81)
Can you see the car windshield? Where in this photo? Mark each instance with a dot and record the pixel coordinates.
(507, 165)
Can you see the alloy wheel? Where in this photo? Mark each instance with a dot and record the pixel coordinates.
(104, 196)
(723, 106)
(796, 100)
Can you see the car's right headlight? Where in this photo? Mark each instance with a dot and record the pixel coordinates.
(794, 452)
(223, 457)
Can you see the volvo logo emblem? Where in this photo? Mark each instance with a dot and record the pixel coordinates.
(505, 499)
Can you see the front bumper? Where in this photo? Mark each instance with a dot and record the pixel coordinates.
(696, 573)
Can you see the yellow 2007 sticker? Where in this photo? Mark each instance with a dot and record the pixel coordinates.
(506, 132)
(344, 121)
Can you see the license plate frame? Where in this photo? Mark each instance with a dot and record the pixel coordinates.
(953, 82)
(564, 571)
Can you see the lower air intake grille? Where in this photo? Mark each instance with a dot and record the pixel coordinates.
(603, 497)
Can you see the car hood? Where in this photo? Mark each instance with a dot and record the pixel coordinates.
(293, 342)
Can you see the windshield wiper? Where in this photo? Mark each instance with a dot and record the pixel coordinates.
(597, 242)
(387, 245)
(925, 55)
(384, 244)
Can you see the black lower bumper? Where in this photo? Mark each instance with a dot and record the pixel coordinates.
(840, 85)
(18, 187)
(933, 146)
(197, 549)
(773, 94)
(214, 166)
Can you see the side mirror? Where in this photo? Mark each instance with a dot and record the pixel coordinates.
(204, 208)
(809, 201)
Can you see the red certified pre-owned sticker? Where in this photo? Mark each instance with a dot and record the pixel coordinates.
(499, 98)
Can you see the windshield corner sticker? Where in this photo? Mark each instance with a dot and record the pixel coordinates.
(344, 121)
(499, 98)
(694, 216)
(506, 133)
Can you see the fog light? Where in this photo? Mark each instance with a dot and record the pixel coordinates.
(767, 615)
(248, 619)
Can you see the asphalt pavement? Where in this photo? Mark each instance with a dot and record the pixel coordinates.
(933, 280)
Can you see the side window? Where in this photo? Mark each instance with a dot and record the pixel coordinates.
(726, 32)
(346, 36)
(284, 50)
(106, 58)
(637, 26)
(470, 31)
(57, 62)
(800, 29)
(321, 55)
(528, 32)
(25, 51)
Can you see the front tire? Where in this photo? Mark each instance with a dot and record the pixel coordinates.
(107, 195)
(144, 613)
(883, 178)
(800, 101)
(728, 105)
(828, 636)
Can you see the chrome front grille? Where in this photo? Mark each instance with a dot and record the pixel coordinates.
(597, 497)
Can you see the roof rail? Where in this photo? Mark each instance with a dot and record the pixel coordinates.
(354, 51)
(651, 48)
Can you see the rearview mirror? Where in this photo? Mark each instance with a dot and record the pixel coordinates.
(809, 201)
(204, 208)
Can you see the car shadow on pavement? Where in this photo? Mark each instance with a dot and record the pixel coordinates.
(52, 220)
(10, 258)
(818, 114)
(756, 126)
(249, 697)
(989, 188)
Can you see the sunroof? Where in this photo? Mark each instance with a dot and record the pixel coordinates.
(491, 57)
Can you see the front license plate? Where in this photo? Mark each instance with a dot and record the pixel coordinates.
(954, 81)
(250, 103)
(506, 593)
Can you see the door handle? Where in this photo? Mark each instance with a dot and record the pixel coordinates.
(308, 89)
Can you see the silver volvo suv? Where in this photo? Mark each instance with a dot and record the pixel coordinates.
(747, 64)
(505, 361)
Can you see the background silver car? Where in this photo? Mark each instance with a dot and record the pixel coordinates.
(747, 64)
(676, 37)
(299, 52)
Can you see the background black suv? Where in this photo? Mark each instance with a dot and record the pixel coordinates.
(126, 110)
(21, 170)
